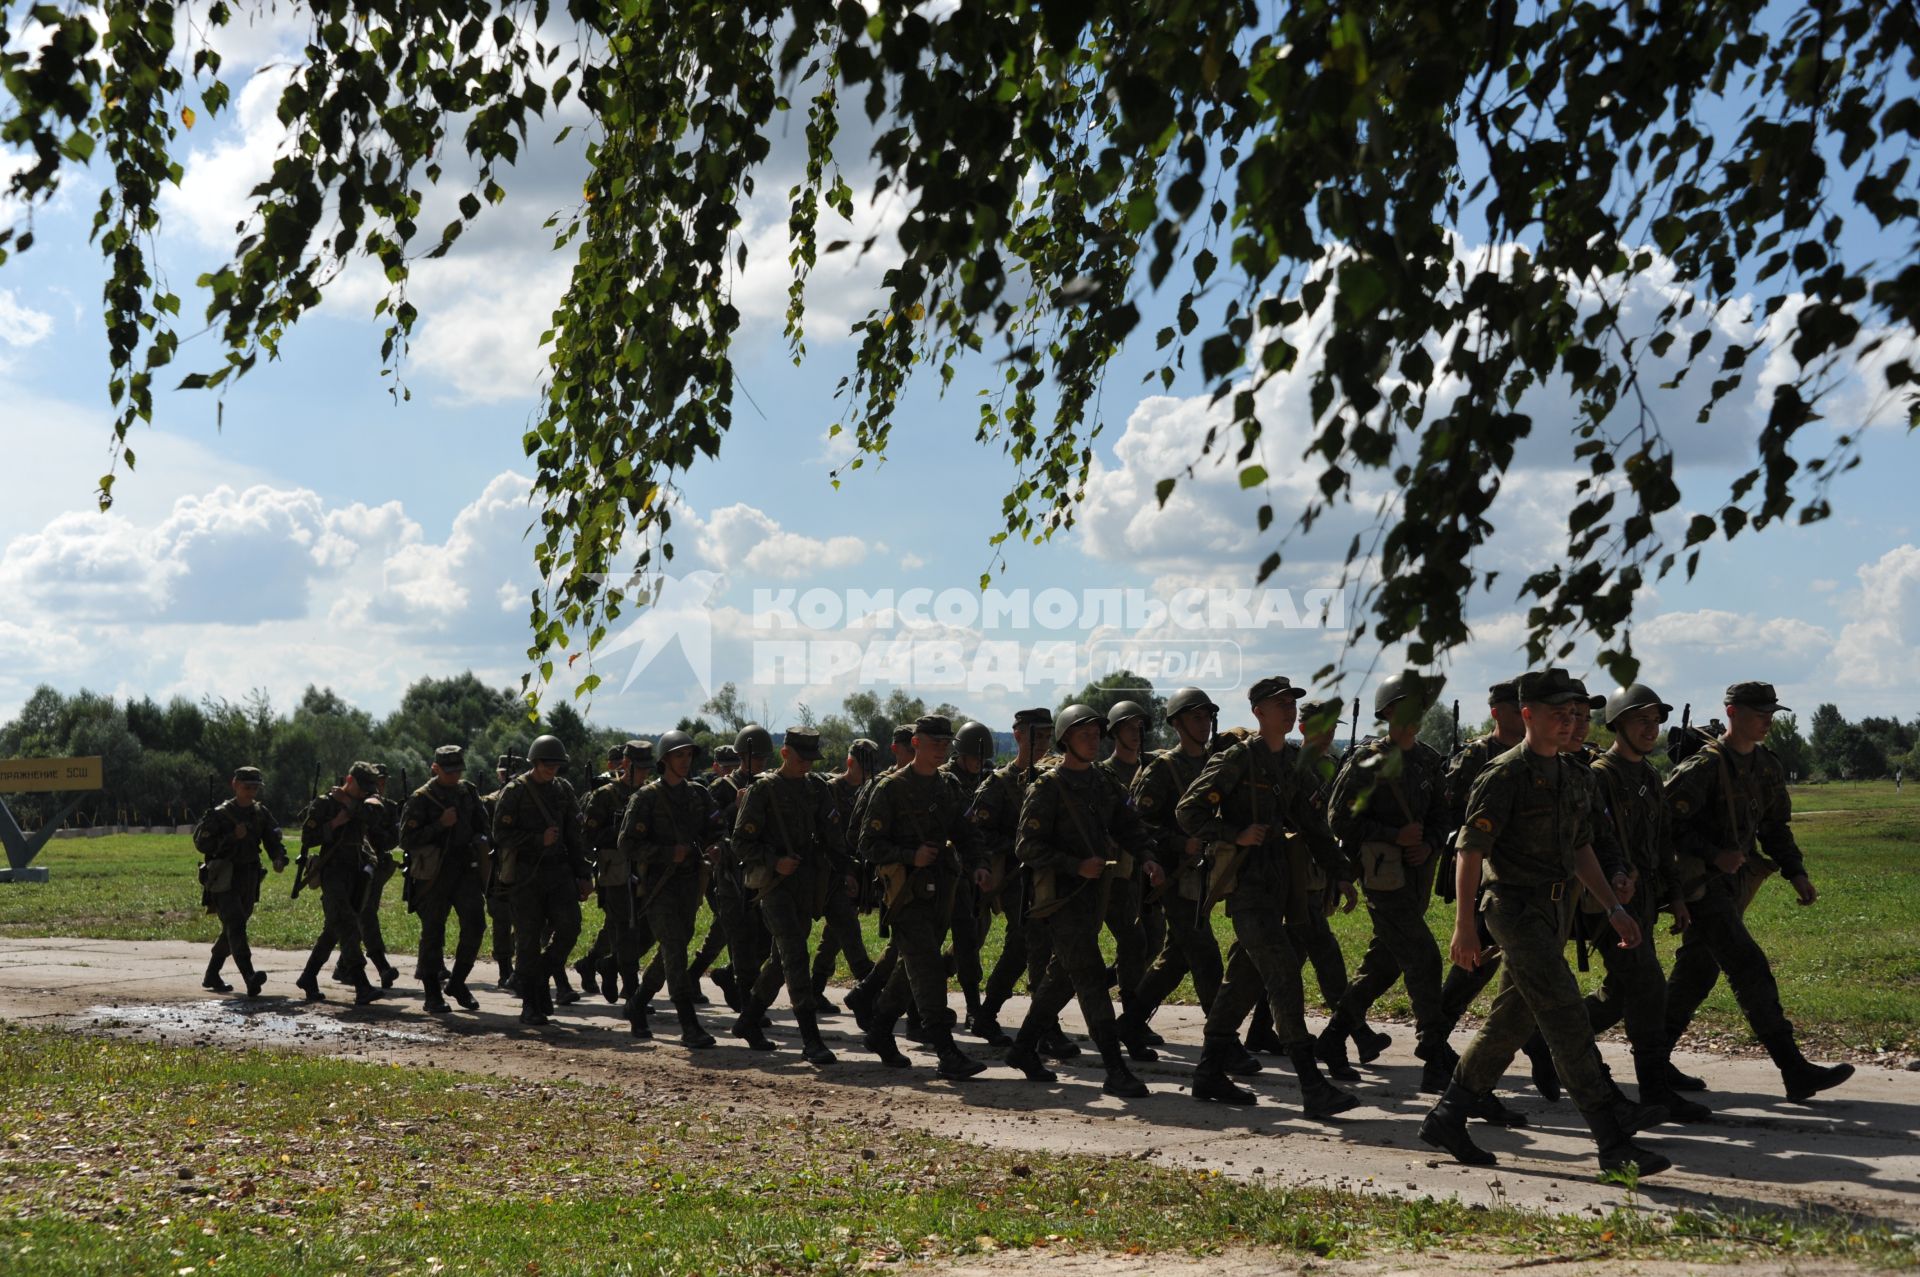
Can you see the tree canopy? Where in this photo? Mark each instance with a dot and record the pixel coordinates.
(1437, 207)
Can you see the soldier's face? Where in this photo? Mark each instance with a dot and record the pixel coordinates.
(1194, 724)
(932, 749)
(545, 771)
(1083, 740)
(1747, 724)
(1127, 735)
(246, 792)
(1507, 720)
(1640, 728)
(1277, 712)
(676, 765)
(446, 776)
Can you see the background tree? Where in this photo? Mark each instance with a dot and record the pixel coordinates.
(1443, 205)
(1790, 747)
(1124, 685)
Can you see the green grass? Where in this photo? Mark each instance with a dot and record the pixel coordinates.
(1849, 967)
(131, 1158)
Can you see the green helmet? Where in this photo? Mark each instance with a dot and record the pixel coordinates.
(547, 749)
(1125, 711)
(1634, 696)
(1077, 716)
(754, 741)
(1188, 698)
(672, 741)
(1398, 687)
(975, 739)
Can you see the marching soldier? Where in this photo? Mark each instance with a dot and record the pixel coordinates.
(344, 824)
(968, 767)
(543, 862)
(614, 960)
(1078, 837)
(1249, 796)
(917, 837)
(668, 827)
(1387, 809)
(1458, 991)
(785, 831)
(383, 826)
(845, 788)
(740, 925)
(1127, 725)
(230, 839)
(996, 823)
(499, 907)
(1530, 830)
(444, 833)
(1731, 812)
(1308, 928)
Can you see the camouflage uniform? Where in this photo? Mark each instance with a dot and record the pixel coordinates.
(1026, 947)
(968, 927)
(662, 815)
(499, 906)
(1126, 900)
(540, 881)
(905, 810)
(1309, 929)
(444, 868)
(785, 817)
(343, 872)
(214, 839)
(383, 834)
(624, 934)
(1191, 948)
(740, 926)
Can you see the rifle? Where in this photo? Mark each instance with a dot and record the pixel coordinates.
(300, 866)
(1456, 726)
(1353, 737)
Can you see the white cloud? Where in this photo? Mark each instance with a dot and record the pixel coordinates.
(910, 562)
(743, 539)
(21, 325)
(1879, 647)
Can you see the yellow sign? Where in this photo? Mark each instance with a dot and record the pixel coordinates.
(38, 775)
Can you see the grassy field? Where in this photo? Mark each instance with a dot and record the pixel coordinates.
(132, 1158)
(1849, 967)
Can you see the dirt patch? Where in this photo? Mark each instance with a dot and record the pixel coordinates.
(1857, 1152)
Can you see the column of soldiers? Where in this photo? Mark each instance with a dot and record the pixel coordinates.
(1536, 839)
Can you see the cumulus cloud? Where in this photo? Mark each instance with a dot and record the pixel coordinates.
(21, 325)
(744, 539)
(1879, 647)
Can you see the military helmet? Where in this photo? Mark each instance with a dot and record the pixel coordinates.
(1076, 716)
(1123, 711)
(974, 739)
(672, 741)
(754, 741)
(1397, 687)
(1634, 696)
(547, 749)
(1188, 698)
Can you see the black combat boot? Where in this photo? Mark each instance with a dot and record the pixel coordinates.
(813, 1049)
(1368, 1042)
(506, 973)
(879, 1040)
(1025, 1054)
(607, 974)
(913, 1028)
(1131, 1029)
(1546, 1076)
(212, 981)
(1445, 1127)
(1438, 1060)
(1319, 1098)
(435, 1004)
(1618, 1152)
(309, 981)
(364, 990)
(1330, 1048)
(861, 1000)
(984, 1023)
(1804, 1079)
(1120, 1079)
(970, 996)
(1056, 1045)
(652, 980)
(1210, 1080)
(729, 987)
(1239, 1061)
(1678, 1081)
(589, 974)
(1261, 1039)
(256, 980)
(693, 1035)
(1651, 1071)
(954, 1063)
(456, 986)
(389, 974)
(748, 1029)
(637, 1021)
(564, 994)
(1490, 1110)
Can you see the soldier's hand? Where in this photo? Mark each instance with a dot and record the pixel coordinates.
(680, 853)
(1156, 876)
(1417, 854)
(1729, 862)
(1252, 836)
(1195, 846)
(1351, 895)
(1092, 867)
(924, 855)
(1803, 885)
(1682, 916)
(1626, 928)
(551, 837)
(785, 866)
(1410, 835)
(1465, 948)
(449, 818)
(1623, 888)
(279, 864)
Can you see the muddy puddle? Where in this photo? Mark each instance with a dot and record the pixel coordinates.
(260, 1024)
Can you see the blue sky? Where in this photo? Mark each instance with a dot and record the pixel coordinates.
(327, 535)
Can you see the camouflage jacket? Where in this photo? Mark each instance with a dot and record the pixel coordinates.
(1462, 770)
(1246, 784)
(1527, 815)
(1634, 807)
(1718, 801)
(1071, 815)
(1125, 773)
(366, 827)
(995, 813)
(600, 818)
(420, 820)
(1371, 801)
(1163, 779)
(214, 838)
(660, 817)
(906, 809)
(788, 816)
(526, 810)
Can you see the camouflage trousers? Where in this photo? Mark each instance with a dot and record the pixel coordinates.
(456, 893)
(234, 908)
(1025, 950)
(1190, 949)
(1262, 960)
(546, 907)
(343, 884)
(1635, 989)
(671, 914)
(1537, 987)
(1314, 940)
(1719, 941)
(789, 927)
(1124, 896)
(1402, 947)
(1076, 968)
(919, 928)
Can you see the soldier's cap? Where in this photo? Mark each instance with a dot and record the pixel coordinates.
(725, 754)
(1594, 701)
(903, 734)
(616, 751)
(933, 726)
(1041, 717)
(864, 751)
(450, 758)
(379, 769)
(637, 751)
(1506, 692)
(368, 778)
(248, 776)
(1549, 687)
(1754, 696)
(803, 741)
(1267, 688)
(1330, 710)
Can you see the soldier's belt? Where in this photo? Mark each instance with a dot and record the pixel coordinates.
(1554, 891)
